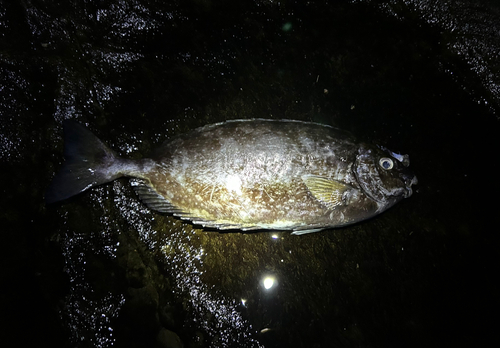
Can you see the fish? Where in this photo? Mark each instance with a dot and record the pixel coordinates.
(247, 175)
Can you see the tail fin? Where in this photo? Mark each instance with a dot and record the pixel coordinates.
(87, 163)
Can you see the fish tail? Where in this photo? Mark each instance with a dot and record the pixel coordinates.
(88, 163)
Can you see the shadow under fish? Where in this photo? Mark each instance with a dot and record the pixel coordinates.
(247, 175)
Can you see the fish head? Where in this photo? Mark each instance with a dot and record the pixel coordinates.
(383, 175)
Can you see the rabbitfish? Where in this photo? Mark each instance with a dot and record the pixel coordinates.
(248, 175)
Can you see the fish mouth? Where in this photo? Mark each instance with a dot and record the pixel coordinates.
(409, 180)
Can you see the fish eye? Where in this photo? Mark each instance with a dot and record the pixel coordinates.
(386, 163)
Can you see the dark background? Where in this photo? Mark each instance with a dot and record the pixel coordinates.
(101, 269)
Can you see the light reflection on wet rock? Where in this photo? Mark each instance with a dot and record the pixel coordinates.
(88, 310)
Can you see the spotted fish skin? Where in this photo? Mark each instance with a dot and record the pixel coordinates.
(248, 175)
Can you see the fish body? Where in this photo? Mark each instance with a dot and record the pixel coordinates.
(248, 175)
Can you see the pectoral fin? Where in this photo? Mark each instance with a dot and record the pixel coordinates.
(327, 191)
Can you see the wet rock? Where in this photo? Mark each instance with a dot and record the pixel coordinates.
(142, 308)
(168, 339)
(136, 271)
(167, 315)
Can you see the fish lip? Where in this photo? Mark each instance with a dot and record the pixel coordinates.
(409, 192)
(408, 183)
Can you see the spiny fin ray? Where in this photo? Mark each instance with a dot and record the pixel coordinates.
(153, 199)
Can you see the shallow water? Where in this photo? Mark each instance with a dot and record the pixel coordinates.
(102, 270)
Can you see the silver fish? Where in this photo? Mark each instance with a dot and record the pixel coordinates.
(248, 175)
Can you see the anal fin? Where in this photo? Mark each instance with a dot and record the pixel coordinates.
(157, 202)
(153, 199)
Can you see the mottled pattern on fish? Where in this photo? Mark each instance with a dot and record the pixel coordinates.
(262, 174)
